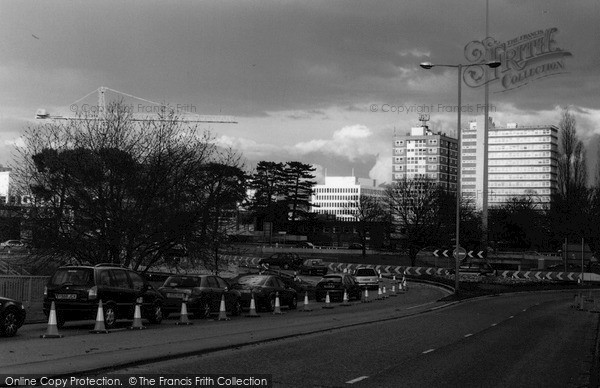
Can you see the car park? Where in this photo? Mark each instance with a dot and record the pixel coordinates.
(77, 290)
(313, 267)
(265, 289)
(285, 260)
(367, 277)
(12, 316)
(203, 294)
(336, 285)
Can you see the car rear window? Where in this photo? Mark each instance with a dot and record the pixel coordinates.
(182, 281)
(365, 272)
(252, 280)
(332, 279)
(72, 276)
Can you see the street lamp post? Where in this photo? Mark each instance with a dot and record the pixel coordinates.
(457, 250)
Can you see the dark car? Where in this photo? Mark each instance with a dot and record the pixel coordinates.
(313, 267)
(76, 291)
(12, 244)
(355, 246)
(305, 244)
(12, 316)
(474, 268)
(282, 260)
(203, 293)
(265, 288)
(336, 285)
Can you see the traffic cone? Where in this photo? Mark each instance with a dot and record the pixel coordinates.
(183, 316)
(222, 310)
(52, 331)
(393, 291)
(327, 302)
(379, 294)
(306, 308)
(99, 327)
(366, 299)
(384, 296)
(252, 313)
(137, 317)
(277, 309)
(345, 302)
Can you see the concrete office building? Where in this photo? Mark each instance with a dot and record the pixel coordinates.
(522, 161)
(421, 153)
(340, 195)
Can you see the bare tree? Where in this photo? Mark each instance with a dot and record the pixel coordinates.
(112, 189)
(370, 210)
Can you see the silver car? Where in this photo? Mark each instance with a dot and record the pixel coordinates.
(367, 277)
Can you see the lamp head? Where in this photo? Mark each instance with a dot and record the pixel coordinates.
(426, 65)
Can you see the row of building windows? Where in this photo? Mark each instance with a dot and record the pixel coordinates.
(336, 204)
(515, 177)
(520, 147)
(511, 155)
(538, 139)
(323, 197)
(519, 169)
(523, 132)
(519, 162)
(336, 190)
(520, 184)
(519, 191)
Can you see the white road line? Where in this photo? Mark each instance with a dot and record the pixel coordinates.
(494, 324)
(428, 351)
(356, 380)
(420, 305)
(511, 317)
(468, 335)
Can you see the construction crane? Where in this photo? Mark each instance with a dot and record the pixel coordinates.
(100, 110)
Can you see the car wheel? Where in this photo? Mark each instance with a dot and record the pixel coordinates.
(110, 316)
(237, 308)
(293, 303)
(156, 314)
(9, 323)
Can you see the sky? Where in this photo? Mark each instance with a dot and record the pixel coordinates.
(321, 82)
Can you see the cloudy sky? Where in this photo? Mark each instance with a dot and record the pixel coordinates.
(323, 82)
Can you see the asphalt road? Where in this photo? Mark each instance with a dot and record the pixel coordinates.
(521, 340)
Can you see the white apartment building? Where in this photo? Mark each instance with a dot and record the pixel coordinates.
(4, 184)
(522, 161)
(340, 195)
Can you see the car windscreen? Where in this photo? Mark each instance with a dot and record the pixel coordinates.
(182, 281)
(365, 272)
(72, 276)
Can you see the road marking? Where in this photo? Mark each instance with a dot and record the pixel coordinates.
(428, 351)
(512, 316)
(468, 335)
(356, 380)
(420, 305)
(494, 324)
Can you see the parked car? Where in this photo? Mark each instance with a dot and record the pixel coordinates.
(475, 268)
(76, 291)
(367, 277)
(305, 244)
(12, 316)
(284, 260)
(11, 244)
(265, 288)
(313, 267)
(203, 294)
(336, 285)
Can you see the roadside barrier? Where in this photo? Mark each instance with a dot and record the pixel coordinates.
(137, 316)
(222, 310)
(277, 309)
(52, 331)
(327, 302)
(252, 313)
(99, 327)
(345, 301)
(183, 316)
(306, 308)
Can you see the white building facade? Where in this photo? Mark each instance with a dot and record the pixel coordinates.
(340, 195)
